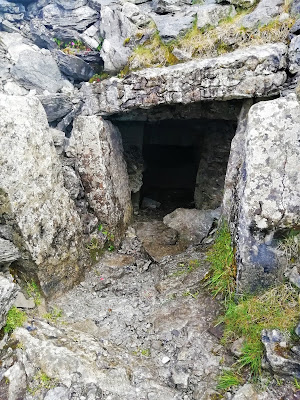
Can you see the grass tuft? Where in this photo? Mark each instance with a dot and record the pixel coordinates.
(222, 275)
(227, 379)
(153, 53)
(278, 308)
(228, 36)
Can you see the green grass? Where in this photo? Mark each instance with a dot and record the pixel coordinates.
(145, 352)
(206, 42)
(186, 268)
(222, 275)
(227, 379)
(15, 318)
(99, 77)
(54, 315)
(278, 308)
(41, 381)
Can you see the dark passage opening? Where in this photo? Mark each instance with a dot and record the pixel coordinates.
(170, 175)
(178, 163)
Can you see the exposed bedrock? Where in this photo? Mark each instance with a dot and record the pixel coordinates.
(253, 72)
(97, 146)
(36, 212)
(262, 187)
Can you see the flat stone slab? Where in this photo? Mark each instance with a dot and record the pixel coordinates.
(245, 73)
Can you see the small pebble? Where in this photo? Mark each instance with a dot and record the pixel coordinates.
(165, 360)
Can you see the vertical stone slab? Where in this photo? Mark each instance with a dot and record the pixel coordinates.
(97, 146)
(33, 201)
(264, 182)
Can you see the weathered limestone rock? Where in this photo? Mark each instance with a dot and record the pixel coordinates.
(253, 72)
(22, 302)
(33, 200)
(74, 67)
(56, 105)
(279, 358)
(32, 67)
(192, 225)
(157, 239)
(91, 36)
(294, 55)
(263, 13)
(8, 292)
(246, 392)
(77, 19)
(295, 8)
(118, 26)
(211, 14)
(8, 251)
(41, 36)
(169, 6)
(97, 146)
(264, 183)
(170, 26)
(240, 3)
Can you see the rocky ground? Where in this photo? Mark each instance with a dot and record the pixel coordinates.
(133, 329)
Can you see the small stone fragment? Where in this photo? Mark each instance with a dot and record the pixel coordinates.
(165, 360)
(22, 302)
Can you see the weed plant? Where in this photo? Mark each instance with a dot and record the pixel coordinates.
(33, 291)
(54, 315)
(41, 382)
(15, 318)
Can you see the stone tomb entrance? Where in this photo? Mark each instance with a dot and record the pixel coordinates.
(180, 163)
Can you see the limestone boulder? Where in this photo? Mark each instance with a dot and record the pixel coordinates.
(41, 35)
(252, 72)
(33, 201)
(212, 14)
(36, 70)
(56, 105)
(295, 7)
(263, 179)
(73, 67)
(279, 358)
(294, 55)
(246, 392)
(29, 66)
(192, 225)
(263, 13)
(170, 26)
(8, 292)
(97, 146)
(68, 17)
(116, 29)
(169, 6)
(241, 3)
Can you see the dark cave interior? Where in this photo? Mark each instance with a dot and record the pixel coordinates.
(184, 160)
